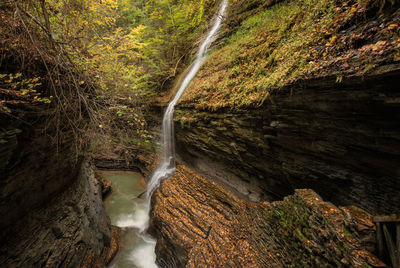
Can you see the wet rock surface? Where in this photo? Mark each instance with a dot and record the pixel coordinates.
(133, 159)
(339, 139)
(112, 249)
(200, 224)
(106, 185)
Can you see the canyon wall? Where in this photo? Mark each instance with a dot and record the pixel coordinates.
(294, 95)
(340, 139)
(51, 202)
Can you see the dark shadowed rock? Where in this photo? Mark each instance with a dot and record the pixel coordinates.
(130, 158)
(340, 139)
(70, 230)
(51, 202)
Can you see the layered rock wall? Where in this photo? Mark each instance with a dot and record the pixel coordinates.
(70, 230)
(51, 203)
(340, 139)
(200, 224)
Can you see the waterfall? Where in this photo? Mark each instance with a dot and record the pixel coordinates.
(167, 165)
(144, 255)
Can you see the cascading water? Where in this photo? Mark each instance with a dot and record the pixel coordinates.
(167, 166)
(143, 255)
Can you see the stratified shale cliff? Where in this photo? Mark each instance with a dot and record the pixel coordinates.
(200, 224)
(51, 203)
(342, 140)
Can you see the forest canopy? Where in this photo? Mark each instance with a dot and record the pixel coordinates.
(127, 52)
(133, 45)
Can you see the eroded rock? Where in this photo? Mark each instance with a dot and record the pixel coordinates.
(70, 230)
(200, 224)
(341, 140)
(104, 183)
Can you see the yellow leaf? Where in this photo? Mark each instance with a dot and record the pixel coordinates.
(393, 26)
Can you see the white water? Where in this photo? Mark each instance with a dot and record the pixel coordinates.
(130, 213)
(144, 256)
(167, 166)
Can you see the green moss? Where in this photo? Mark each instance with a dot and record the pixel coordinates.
(298, 225)
(276, 47)
(346, 232)
(186, 118)
(143, 143)
(268, 50)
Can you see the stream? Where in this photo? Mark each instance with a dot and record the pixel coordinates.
(129, 212)
(132, 213)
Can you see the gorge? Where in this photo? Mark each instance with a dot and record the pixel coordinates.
(279, 146)
(337, 135)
